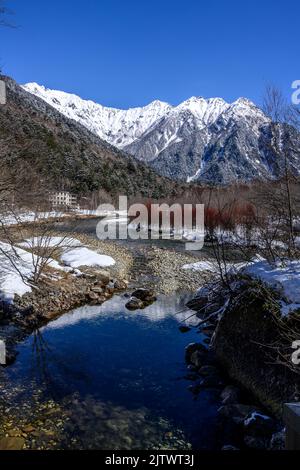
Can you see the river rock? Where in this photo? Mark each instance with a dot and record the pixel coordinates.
(258, 429)
(208, 329)
(208, 370)
(92, 296)
(257, 443)
(28, 429)
(145, 295)
(120, 284)
(191, 348)
(230, 424)
(103, 277)
(236, 413)
(134, 304)
(278, 440)
(12, 443)
(10, 357)
(184, 329)
(229, 447)
(211, 381)
(197, 358)
(230, 395)
(97, 290)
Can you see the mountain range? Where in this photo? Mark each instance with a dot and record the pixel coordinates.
(201, 140)
(40, 144)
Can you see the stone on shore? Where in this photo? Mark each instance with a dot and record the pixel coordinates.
(134, 304)
(259, 429)
(12, 443)
(236, 413)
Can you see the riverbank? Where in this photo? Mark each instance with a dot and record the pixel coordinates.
(251, 327)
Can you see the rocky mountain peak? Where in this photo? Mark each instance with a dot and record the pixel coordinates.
(199, 140)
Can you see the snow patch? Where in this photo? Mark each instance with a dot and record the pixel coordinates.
(282, 276)
(83, 256)
(15, 275)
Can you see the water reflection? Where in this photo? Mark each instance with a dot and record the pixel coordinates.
(48, 369)
(165, 307)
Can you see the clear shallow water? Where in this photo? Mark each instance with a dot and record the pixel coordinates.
(121, 376)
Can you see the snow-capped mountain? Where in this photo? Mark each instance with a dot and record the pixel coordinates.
(117, 126)
(200, 140)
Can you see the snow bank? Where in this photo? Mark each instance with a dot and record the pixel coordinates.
(17, 265)
(201, 266)
(284, 277)
(83, 256)
(15, 276)
(213, 266)
(26, 217)
(100, 212)
(74, 254)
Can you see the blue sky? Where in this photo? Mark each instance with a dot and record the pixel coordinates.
(127, 53)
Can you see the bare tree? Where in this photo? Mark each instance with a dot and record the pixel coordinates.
(229, 225)
(284, 121)
(26, 216)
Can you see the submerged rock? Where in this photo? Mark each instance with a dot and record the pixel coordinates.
(184, 329)
(191, 348)
(230, 395)
(197, 358)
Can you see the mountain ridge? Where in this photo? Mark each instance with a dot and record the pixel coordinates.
(200, 140)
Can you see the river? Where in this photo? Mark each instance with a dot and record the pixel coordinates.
(119, 379)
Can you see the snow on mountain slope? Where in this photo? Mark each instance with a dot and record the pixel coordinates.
(200, 140)
(187, 144)
(118, 127)
(205, 111)
(123, 127)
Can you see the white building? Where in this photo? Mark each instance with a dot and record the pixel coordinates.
(63, 199)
